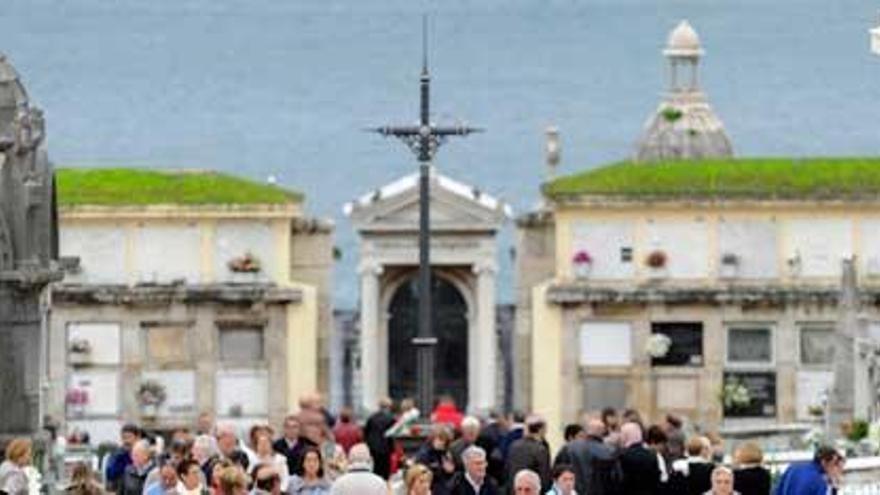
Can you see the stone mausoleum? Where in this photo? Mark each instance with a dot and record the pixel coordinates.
(213, 288)
(464, 225)
(740, 293)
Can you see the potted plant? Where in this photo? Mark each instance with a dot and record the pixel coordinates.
(729, 265)
(150, 395)
(236, 410)
(583, 263)
(246, 263)
(77, 399)
(79, 351)
(656, 261)
(658, 345)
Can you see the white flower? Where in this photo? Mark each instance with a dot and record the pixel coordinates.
(658, 345)
(735, 395)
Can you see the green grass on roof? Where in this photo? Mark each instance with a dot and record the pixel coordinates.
(762, 178)
(122, 186)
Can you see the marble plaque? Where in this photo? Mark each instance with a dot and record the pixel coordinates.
(103, 338)
(99, 430)
(812, 387)
(677, 392)
(167, 344)
(601, 392)
(606, 344)
(180, 386)
(102, 389)
(242, 393)
(817, 346)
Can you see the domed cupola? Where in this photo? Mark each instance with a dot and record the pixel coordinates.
(684, 125)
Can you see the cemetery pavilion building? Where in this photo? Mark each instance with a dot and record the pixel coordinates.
(464, 224)
(218, 296)
(686, 281)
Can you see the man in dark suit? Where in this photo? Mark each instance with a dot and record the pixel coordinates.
(640, 466)
(374, 436)
(473, 480)
(291, 444)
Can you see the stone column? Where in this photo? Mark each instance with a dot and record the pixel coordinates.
(369, 334)
(483, 398)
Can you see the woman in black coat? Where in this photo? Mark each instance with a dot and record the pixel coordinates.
(750, 477)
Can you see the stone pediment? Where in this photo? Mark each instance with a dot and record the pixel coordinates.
(454, 207)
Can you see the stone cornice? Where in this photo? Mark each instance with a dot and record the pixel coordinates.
(115, 294)
(250, 211)
(589, 293)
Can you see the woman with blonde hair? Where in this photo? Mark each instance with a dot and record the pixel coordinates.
(750, 477)
(13, 480)
(418, 480)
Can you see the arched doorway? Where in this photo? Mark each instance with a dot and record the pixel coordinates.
(450, 325)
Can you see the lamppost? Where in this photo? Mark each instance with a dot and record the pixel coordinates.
(424, 139)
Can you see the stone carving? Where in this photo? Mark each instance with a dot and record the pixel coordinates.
(28, 250)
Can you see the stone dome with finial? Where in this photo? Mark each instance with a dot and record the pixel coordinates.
(684, 126)
(683, 41)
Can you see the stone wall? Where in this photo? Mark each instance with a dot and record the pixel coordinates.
(311, 262)
(535, 263)
(174, 342)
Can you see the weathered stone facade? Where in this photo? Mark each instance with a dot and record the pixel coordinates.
(225, 305)
(748, 292)
(464, 223)
(28, 250)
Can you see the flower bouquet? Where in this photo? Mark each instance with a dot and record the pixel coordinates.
(77, 399)
(735, 396)
(247, 263)
(658, 345)
(583, 263)
(150, 395)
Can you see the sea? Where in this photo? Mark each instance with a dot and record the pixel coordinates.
(285, 88)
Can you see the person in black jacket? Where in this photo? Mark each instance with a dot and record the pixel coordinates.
(530, 452)
(473, 480)
(693, 474)
(292, 444)
(750, 477)
(374, 436)
(641, 472)
(434, 454)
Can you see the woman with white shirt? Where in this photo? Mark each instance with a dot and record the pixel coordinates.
(266, 455)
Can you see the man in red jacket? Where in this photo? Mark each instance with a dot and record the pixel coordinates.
(346, 432)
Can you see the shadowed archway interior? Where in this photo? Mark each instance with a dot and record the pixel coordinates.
(450, 325)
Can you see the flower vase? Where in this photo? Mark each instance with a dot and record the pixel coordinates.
(657, 273)
(149, 410)
(583, 270)
(78, 410)
(79, 358)
(728, 270)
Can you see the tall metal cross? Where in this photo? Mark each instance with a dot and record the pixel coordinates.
(424, 139)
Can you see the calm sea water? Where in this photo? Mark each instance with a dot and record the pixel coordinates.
(259, 87)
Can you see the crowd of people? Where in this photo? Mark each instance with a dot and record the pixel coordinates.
(317, 453)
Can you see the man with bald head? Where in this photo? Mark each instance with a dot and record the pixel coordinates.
(595, 466)
(641, 471)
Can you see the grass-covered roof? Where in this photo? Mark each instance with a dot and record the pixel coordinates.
(142, 187)
(746, 178)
